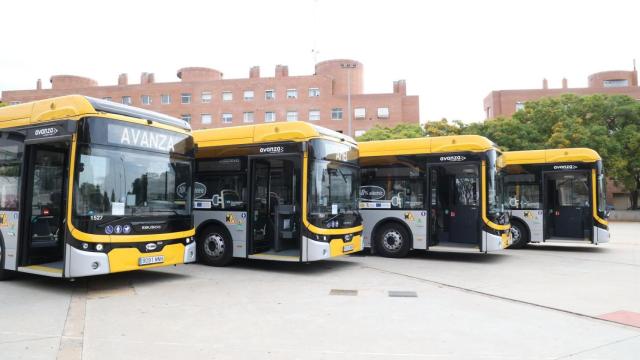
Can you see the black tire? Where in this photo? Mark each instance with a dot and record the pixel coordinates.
(4, 274)
(392, 240)
(519, 235)
(215, 247)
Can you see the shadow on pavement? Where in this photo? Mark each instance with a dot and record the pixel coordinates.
(477, 258)
(294, 268)
(595, 249)
(100, 282)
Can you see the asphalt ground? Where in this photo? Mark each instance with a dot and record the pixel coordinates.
(562, 301)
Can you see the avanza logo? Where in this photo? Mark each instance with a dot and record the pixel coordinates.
(565, 167)
(453, 158)
(147, 139)
(46, 132)
(272, 150)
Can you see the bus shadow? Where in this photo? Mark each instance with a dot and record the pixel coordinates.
(450, 256)
(292, 268)
(594, 249)
(108, 282)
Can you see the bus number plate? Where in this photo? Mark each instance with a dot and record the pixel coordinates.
(151, 260)
(347, 248)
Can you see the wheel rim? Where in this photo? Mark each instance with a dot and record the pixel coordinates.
(392, 240)
(214, 245)
(516, 234)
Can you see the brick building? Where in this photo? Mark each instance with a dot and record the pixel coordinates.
(206, 99)
(507, 102)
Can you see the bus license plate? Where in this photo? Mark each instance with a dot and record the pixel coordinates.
(150, 260)
(347, 248)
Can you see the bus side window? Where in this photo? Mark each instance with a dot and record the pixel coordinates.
(225, 191)
(11, 153)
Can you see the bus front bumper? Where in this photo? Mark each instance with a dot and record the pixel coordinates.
(82, 263)
(319, 250)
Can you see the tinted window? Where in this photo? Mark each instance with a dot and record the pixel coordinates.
(11, 152)
(392, 187)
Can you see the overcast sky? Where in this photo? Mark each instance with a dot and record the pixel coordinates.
(452, 53)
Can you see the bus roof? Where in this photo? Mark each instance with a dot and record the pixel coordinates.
(426, 145)
(550, 156)
(296, 131)
(74, 106)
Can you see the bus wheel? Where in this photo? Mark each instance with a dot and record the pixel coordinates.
(4, 274)
(215, 247)
(519, 235)
(392, 241)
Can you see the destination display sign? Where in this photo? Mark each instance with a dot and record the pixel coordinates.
(141, 138)
(121, 133)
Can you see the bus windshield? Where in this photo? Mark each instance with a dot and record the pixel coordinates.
(495, 193)
(601, 186)
(333, 185)
(122, 182)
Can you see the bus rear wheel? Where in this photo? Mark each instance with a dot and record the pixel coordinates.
(4, 274)
(393, 241)
(215, 247)
(519, 235)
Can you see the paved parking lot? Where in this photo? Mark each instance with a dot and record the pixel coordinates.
(544, 302)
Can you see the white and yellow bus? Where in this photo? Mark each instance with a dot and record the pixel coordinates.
(282, 191)
(91, 187)
(556, 195)
(433, 193)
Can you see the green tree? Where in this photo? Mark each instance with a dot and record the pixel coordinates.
(400, 131)
(443, 128)
(2, 104)
(608, 124)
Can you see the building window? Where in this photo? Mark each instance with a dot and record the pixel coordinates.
(247, 117)
(18, 102)
(108, 98)
(519, 105)
(145, 99)
(269, 94)
(165, 99)
(615, 83)
(336, 114)
(227, 118)
(185, 98)
(205, 96)
(227, 96)
(187, 117)
(248, 94)
(126, 100)
(314, 115)
(292, 93)
(360, 132)
(269, 116)
(314, 92)
(359, 113)
(292, 116)
(383, 113)
(205, 118)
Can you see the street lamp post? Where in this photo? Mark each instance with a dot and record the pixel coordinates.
(349, 66)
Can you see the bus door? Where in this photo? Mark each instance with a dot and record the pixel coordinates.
(275, 206)
(454, 204)
(568, 205)
(45, 206)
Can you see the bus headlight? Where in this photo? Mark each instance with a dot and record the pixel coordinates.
(99, 247)
(85, 246)
(348, 237)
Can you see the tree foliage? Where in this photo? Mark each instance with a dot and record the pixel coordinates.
(2, 104)
(401, 131)
(608, 124)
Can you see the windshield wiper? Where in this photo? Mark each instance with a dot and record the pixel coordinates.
(326, 221)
